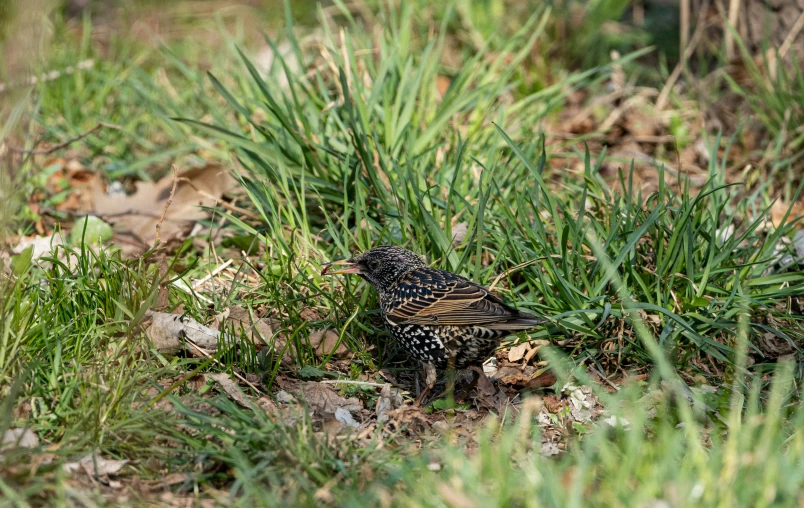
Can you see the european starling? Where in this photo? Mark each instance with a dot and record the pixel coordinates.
(439, 318)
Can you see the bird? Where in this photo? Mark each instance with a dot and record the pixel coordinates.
(439, 318)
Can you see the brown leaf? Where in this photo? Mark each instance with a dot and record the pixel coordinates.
(324, 400)
(140, 212)
(517, 353)
(230, 388)
(309, 314)
(542, 380)
(267, 405)
(260, 331)
(488, 395)
(442, 84)
(553, 404)
(779, 209)
(326, 342)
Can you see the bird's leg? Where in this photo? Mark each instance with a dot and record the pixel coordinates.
(430, 376)
(451, 375)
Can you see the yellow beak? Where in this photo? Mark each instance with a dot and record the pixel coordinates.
(349, 267)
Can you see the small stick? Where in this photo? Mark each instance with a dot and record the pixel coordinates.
(211, 274)
(685, 26)
(791, 36)
(350, 382)
(63, 144)
(167, 205)
(734, 12)
(603, 377)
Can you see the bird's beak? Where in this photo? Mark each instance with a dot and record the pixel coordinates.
(349, 267)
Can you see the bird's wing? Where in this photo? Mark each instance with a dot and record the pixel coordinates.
(440, 298)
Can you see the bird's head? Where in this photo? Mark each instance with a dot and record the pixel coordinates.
(382, 266)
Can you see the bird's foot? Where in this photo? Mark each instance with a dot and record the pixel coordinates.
(430, 376)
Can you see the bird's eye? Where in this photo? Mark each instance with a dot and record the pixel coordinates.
(373, 264)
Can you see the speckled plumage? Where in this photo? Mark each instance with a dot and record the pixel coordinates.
(433, 314)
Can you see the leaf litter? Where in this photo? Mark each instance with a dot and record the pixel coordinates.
(139, 216)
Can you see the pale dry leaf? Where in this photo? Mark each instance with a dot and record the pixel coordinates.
(549, 449)
(459, 231)
(284, 397)
(345, 417)
(42, 245)
(168, 331)
(582, 403)
(324, 400)
(616, 421)
(230, 388)
(20, 438)
(490, 367)
(517, 353)
(389, 399)
(139, 213)
(95, 465)
(798, 246)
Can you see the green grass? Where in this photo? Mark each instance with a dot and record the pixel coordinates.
(356, 149)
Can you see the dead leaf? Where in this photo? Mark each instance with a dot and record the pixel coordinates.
(267, 405)
(95, 465)
(412, 418)
(310, 314)
(582, 402)
(326, 342)
(553, 404)
(459, 231)
(42, 245)
(230, 388)
(322, 399)
(19, 438)
(260, 331)
(488, 395)
(389, 399)
(442, 84)
(167, 333)
(517, 353)
(549, 449)
(138, 214)
(779, 209)
(541, 380)
(345, 417)
(774, 346)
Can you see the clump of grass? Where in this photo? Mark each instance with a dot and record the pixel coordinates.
(72, 344)
(338, 165)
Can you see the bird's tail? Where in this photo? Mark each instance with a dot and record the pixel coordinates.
(523, 321)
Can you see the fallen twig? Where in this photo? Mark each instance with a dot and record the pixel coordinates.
(167, 204)
(63, 144)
